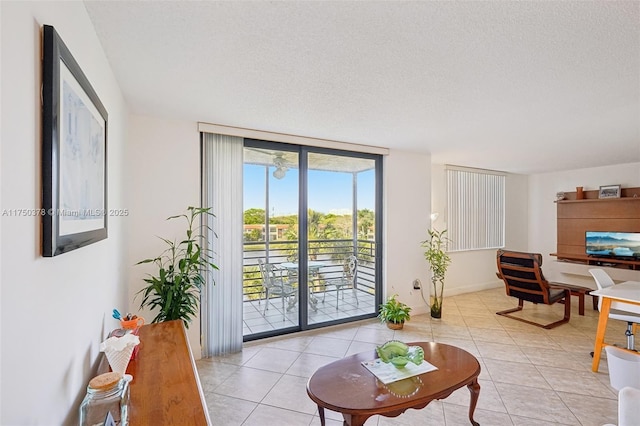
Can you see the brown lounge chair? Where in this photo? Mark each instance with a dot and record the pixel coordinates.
(524, 280)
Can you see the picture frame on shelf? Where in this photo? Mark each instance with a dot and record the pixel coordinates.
(74, 153)
(609, 191)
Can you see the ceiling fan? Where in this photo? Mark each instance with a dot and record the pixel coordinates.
(281, 169)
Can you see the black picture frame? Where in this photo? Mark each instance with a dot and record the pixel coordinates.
(74, 153)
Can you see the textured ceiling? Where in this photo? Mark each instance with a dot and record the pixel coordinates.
(524, 87)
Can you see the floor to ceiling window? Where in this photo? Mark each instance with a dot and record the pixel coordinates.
(311, 237)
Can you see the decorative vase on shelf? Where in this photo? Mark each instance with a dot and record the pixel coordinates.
(579, 193)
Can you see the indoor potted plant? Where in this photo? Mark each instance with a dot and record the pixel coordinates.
(394, 313)
(439, 261)
(175, 288)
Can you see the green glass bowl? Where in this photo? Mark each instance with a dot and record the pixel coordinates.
(399, 361)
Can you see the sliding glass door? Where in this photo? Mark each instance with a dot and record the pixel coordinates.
(341, 235)
(311, 237)
(271, 191)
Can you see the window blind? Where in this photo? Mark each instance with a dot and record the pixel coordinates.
(475, 209)
(221, 311)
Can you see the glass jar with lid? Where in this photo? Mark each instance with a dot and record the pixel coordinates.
(107, 394)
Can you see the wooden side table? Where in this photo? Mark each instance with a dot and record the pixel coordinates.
(580, 292)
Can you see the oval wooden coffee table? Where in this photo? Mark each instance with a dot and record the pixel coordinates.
(347, 387)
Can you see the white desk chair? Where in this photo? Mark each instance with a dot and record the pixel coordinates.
(624, 376)
(624, 368)
(603, 280)
(628, 406)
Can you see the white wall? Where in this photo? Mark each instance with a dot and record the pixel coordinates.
(476, 270)
(171, 182)
(163, 179)
(54, 311)
(407, 207)
(542, 223)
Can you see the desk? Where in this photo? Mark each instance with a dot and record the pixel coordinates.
(347, 387)
(627, 292)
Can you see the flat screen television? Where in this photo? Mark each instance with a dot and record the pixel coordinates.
(613, 244)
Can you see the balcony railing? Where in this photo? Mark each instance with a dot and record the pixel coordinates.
(330, 253)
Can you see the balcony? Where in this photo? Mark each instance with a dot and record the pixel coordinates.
(326, 263)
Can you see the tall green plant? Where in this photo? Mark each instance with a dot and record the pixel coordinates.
(439, 261)
(175, 288)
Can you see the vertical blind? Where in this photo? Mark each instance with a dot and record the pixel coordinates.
(475, 209)
(221, 312)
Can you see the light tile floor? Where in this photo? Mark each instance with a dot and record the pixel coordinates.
(327, 308)
(530, 376)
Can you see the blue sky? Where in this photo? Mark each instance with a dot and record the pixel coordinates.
(328, 191)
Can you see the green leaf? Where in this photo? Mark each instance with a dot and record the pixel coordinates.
(394, 311)
(175, 288)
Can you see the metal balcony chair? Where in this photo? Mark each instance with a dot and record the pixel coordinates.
(276, 283)
(347, 280)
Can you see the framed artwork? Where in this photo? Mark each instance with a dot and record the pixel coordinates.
(74, 153)
(609, 191)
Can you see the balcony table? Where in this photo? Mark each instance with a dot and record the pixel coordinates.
(314, 268)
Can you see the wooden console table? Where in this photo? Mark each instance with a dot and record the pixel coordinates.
(165, 389)
(599, 261)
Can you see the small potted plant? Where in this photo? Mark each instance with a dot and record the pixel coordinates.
(175, 288)
(394, 313)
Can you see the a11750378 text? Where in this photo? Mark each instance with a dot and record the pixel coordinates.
(84, 213)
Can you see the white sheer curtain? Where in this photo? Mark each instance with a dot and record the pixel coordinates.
(222, 190)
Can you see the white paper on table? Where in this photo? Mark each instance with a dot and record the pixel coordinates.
(388, 373)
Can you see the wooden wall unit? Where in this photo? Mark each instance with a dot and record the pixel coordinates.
(575, 217)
